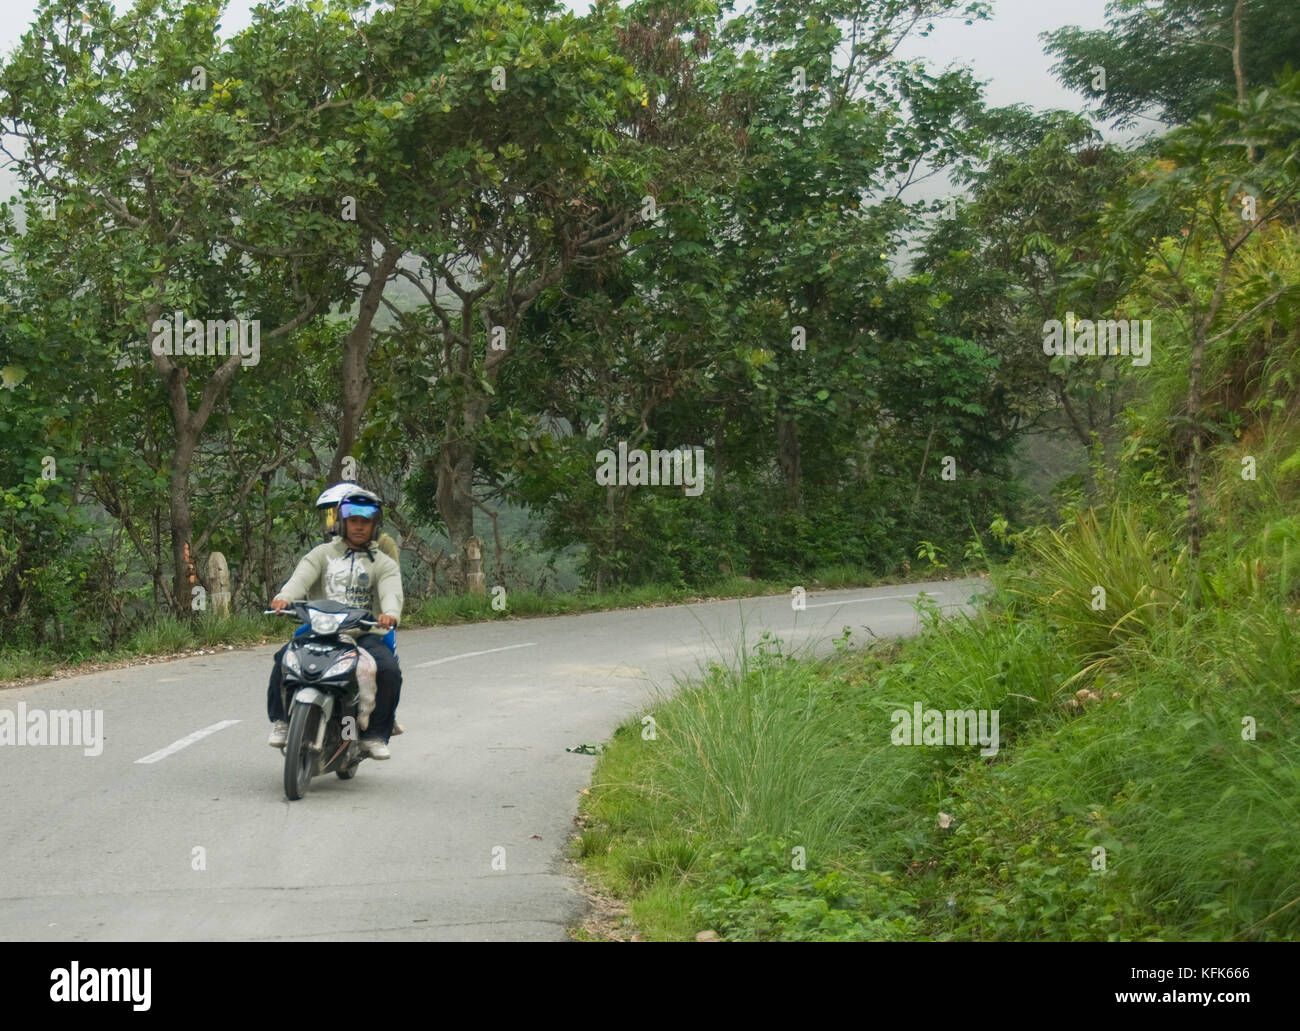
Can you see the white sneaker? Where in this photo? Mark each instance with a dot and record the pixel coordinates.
(279, 734)
(375, 748)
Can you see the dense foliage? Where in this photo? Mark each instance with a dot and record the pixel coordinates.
(483, 242)
(1139, 646)
(487, 243)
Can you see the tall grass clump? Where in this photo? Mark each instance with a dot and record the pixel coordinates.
(211, 629)
(17, 663)
(756, 747)
(163, 636)
(1146, 806)
(1103, 582)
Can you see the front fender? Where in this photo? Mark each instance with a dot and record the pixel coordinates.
(314, 696)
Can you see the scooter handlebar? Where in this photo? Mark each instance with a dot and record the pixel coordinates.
(369, 624)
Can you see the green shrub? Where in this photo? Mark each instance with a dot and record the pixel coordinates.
(755, 893)
(1136, 570)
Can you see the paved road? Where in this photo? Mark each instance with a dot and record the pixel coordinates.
(200, 843)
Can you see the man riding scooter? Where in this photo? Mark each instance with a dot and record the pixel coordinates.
(351, 570)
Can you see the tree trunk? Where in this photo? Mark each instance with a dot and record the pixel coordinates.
(455, 499)
(268, 559)
(455, 488)
(499, 560)
(925, 457)
(356, 355)
(1237, 71)
(183, 576)
(720, 457)
(187, 427)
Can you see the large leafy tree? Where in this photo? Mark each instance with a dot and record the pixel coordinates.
(1026, 248)
(510, 166)
(128, 128)
(1176, 57)
(44, 390)
(835, 127)
(618, 343)
(787, 245)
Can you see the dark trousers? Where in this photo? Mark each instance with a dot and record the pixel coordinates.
(388, 687)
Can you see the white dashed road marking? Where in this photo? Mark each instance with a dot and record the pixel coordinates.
(186, 741)
(470, 655)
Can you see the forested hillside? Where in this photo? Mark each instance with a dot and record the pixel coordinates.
(467, 253)
(1109, 749)
(467, 248)
(644, 298)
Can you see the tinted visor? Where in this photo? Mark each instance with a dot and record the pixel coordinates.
(354, 508)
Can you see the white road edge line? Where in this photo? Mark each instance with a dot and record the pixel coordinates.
(186, 741)
(470, 655)
(883, 597)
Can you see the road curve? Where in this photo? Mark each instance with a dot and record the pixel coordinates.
(179, 829)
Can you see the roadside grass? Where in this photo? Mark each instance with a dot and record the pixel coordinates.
(164, 636)
(1145, 785)
(1103, 580)
(18, 665)
(167, 635)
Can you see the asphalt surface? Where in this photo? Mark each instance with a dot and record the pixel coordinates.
(461, 836)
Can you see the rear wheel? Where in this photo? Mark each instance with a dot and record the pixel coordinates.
(299, 760)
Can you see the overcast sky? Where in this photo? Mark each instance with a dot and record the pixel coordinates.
(1005, 51)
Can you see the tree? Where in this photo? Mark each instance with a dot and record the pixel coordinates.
(129, 128)
(508, 167)
(1028, 248)
(1224, 200)
(786, 245)
(1176, 56)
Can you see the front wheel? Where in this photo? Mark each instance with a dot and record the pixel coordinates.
(299, 760)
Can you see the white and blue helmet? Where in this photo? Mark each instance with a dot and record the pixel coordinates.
(350, 499)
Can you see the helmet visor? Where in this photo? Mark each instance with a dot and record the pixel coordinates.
(353, 508)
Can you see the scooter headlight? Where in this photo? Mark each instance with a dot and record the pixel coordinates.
(346, 661)
(291, 662)
(326, 622)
